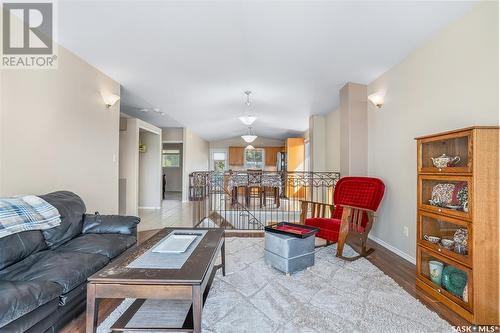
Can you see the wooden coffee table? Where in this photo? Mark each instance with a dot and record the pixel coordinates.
(192, 281)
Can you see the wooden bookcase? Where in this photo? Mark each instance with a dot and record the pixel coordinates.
(478, 171)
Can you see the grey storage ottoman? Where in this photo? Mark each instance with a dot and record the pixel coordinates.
(287, 253)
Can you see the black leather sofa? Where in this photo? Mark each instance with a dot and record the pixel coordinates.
(43, 274)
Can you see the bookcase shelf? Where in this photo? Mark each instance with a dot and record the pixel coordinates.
(457, 221)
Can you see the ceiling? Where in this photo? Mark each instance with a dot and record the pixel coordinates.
(193, 60)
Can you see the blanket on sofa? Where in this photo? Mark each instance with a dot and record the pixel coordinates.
(26, 213)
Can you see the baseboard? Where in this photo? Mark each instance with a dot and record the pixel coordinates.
(148, 207)
(393, 249)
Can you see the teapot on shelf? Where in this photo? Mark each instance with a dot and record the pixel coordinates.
(444, 161)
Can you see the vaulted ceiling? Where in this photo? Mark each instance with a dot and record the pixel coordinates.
(193, 60)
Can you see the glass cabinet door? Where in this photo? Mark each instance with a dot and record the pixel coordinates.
(449, 236)
(445, 276)
(450, 195)
(448, 153)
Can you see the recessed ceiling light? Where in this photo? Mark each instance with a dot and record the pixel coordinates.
(156, 110)
(144, 110)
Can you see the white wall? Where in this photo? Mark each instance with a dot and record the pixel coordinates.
(449, 82)
(195, 158)
(129, 163)
(150, 184)
(56, 134)
(172, 134)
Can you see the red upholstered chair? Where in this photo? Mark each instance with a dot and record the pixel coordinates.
(355, 201)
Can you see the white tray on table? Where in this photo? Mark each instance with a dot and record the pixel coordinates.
(175, 243)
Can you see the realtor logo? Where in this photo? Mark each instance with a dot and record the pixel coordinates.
(28, 35)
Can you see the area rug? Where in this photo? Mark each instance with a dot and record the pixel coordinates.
(332, 296)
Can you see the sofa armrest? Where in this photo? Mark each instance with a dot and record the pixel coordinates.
(110, 224)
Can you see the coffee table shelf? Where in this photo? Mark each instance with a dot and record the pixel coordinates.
(121, 325)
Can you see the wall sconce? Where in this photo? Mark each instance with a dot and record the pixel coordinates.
(110, 99)
(377, 99)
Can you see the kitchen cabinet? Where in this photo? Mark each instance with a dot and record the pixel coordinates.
(271, 155)
(236, 156)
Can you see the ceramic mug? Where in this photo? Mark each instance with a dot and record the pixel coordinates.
(432, 239)
(436, 270)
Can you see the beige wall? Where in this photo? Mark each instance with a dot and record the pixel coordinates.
(333, 140)
(317, 143)
(449, 82)
(129, 164)
(150, 182)
(172, 134)
(56, 134)
(324, 140)
(195, 158)
(353, 130)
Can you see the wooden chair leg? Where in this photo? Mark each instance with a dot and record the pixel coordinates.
(343, 232)
(364, 251)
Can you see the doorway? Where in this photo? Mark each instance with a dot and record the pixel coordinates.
(172, 171)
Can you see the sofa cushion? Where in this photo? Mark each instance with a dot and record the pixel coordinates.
(109, 245)
(68, 269)
(73, 294)
(110, 224)
(14, 248)
(71, 208)
(21, 297)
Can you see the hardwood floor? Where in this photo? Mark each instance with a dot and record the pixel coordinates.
(400, 270)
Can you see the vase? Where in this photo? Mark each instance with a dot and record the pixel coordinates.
(436, 270)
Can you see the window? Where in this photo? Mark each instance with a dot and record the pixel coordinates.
(219, 161)
(254, 158)
(171, 158)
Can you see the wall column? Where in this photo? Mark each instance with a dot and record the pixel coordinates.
(317, 143)
(353, 130)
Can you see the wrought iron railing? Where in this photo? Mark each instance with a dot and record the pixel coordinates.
(250, 200)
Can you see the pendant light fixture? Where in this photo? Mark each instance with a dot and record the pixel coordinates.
(250, 136)
(249, 147)
(248, 119)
